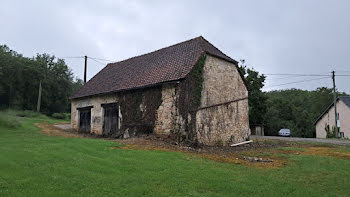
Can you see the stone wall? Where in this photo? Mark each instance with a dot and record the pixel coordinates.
(172, 108)
(167, 113)
(96, 111)
(137, 111)
(222, 123)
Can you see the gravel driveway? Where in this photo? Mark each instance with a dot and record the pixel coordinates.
(298, 139)
(63, 126)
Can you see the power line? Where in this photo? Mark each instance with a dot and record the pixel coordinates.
(306, 75)
(97, 61)
(290, 77)
(95, 58)
(70, 57)
(344, 71)
(297, 82)
(101, 59)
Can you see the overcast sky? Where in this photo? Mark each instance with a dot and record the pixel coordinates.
(272, 36)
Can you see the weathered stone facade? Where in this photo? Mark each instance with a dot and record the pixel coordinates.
(167, 111)
(137, 111)
(96, 111)
(228, 122)
(221, 117)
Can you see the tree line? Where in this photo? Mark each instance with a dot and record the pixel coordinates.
(20, 78)
(296, 109)
(291, 108)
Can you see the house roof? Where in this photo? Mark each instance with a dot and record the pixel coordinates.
(346, 101)
(164, 65)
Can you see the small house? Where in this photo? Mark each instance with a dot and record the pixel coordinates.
(327, 119)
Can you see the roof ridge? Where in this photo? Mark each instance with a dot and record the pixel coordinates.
(169, 63)
(205, 40)
(198, 37)
(329, 106)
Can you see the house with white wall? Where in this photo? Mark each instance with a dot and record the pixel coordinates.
(327, 118)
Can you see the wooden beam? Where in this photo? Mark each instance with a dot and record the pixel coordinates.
(246, 142)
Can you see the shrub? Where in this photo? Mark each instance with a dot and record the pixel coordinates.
(59, 115)
(331, 133)
(9, 121)
(28, 113)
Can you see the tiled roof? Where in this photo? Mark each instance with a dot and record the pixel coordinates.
(164, 65)
(346, 101)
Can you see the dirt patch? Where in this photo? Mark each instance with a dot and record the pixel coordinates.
(317, 150)
(233, 155)
(326, 151)
(260, 154)
(51, 130)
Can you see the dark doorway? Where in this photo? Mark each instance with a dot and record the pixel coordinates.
(110, 119)
(85, 119)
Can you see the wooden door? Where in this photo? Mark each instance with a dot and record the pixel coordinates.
(110, 119)
(85, 120)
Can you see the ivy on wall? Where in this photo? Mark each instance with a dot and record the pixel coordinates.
(190, 93)
(198, 77)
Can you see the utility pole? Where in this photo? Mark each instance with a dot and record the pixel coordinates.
(39, 98)
(335, 104)
(85, 69)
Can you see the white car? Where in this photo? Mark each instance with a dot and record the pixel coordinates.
(284, 132)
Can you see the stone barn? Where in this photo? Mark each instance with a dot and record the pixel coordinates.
(191, 90)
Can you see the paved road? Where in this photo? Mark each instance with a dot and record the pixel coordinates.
(297, 139)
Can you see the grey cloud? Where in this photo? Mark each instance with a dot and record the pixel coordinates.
(273, 36)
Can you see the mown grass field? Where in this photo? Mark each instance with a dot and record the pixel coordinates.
(33, 164)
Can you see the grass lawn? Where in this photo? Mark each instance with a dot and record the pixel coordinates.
(33, 164)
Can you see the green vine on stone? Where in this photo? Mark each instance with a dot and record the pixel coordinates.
(331, 133)
(198, 75)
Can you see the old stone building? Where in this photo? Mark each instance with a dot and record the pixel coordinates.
(190, 89)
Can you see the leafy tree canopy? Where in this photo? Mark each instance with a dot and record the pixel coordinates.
(20, 77)
(256, 98)
(296, 109)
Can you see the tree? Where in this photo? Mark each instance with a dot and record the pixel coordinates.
(20, 77)
(296, 109)
(256, 98)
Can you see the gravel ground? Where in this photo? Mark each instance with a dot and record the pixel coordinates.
(63, 126)
(293, 139)
(297, 139)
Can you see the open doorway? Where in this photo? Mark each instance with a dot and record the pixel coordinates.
(110, 119)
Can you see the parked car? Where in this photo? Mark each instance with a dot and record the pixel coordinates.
(284, 132)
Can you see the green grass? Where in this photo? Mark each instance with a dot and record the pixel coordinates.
(32, 164)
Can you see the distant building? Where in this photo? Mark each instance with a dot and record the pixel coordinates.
(327, 118)
(190, 89)
(257, 130)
